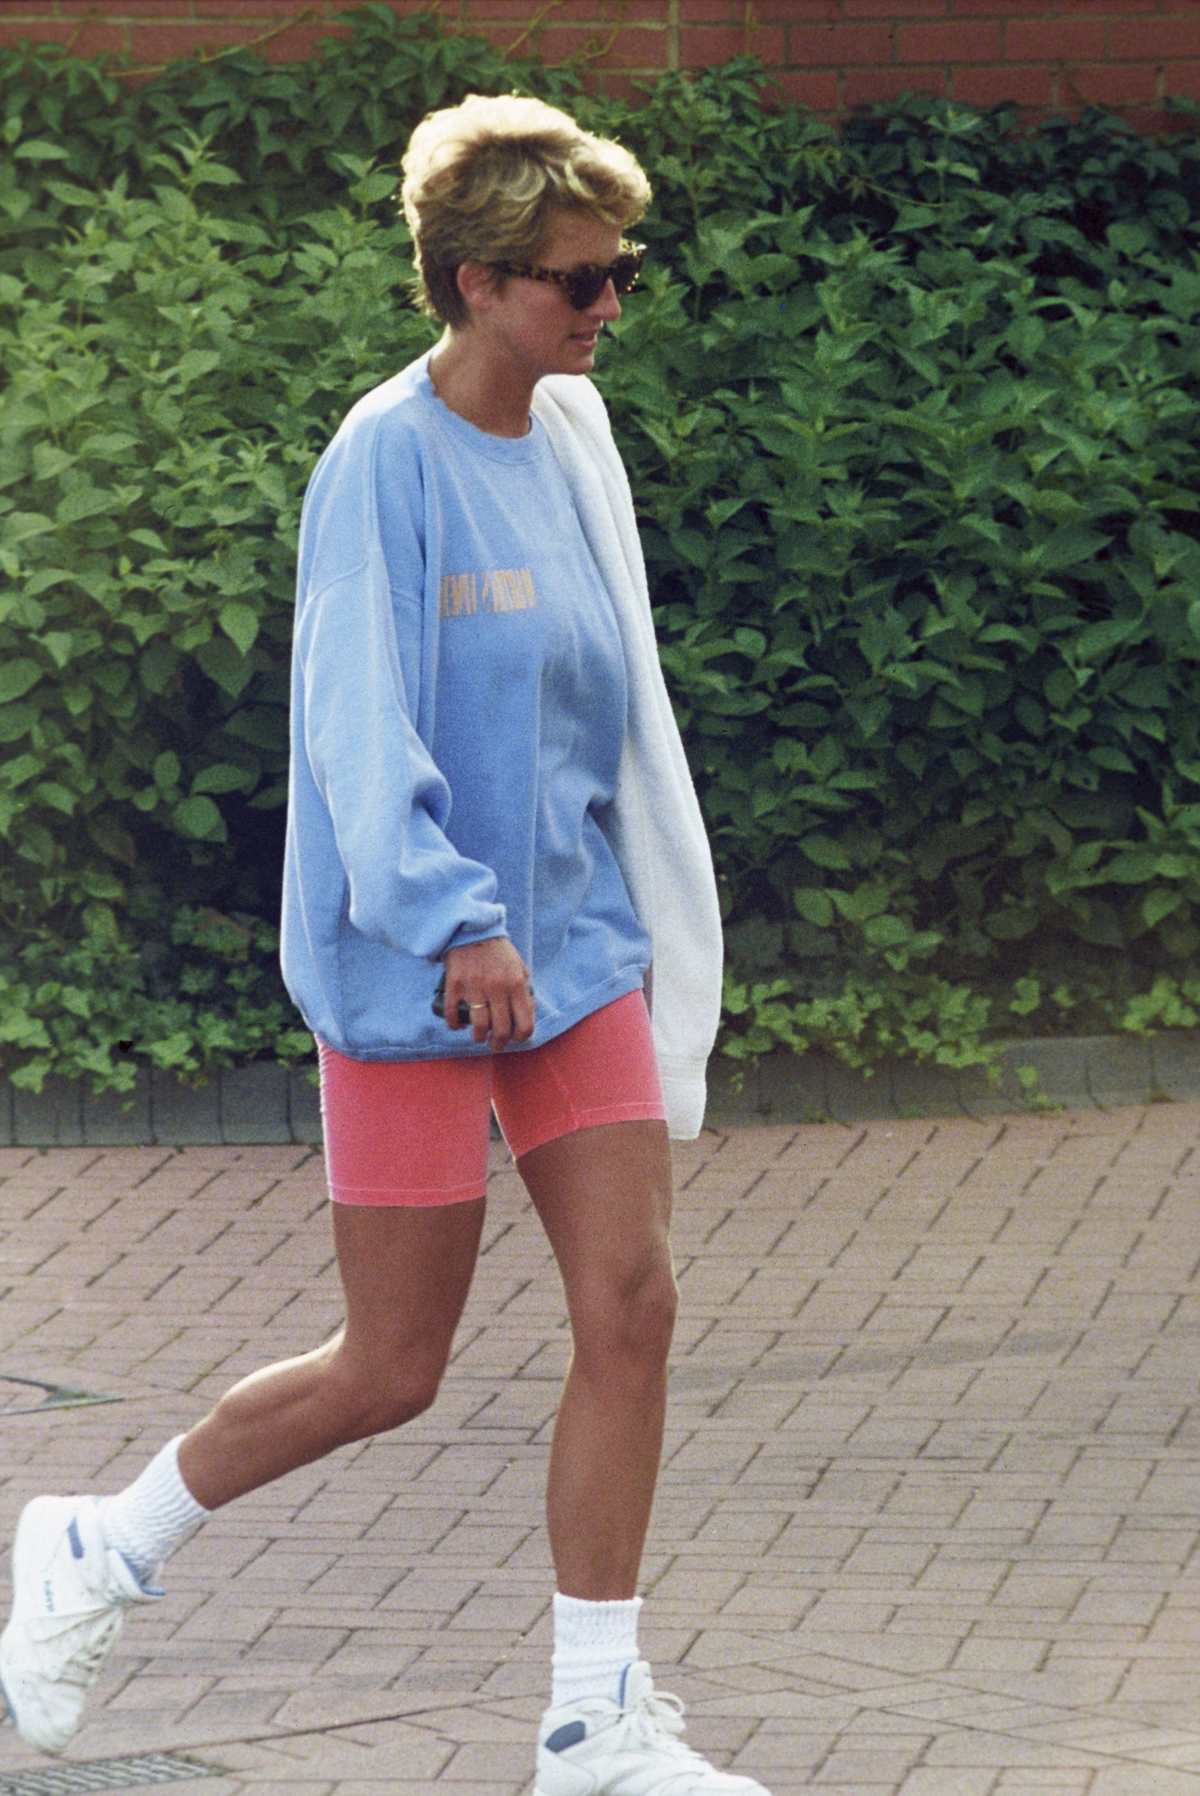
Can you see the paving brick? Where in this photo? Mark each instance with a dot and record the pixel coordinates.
(960, 1782)
(928, 1485)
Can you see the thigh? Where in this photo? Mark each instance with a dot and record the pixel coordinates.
(604, 1197)
(585, 1120)
(603, 1070)
(406, 1272)
(405, 1133)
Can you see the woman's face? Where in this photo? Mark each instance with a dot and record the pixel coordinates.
(534, 322)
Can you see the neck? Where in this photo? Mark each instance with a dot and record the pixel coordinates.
(492, 398)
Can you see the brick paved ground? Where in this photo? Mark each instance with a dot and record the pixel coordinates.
(926, 1519)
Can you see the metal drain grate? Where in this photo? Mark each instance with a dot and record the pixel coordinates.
(57, 1396)
(106, 1774)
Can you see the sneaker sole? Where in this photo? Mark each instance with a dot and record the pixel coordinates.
(24, 1732)
(30, 1734)
(9, 1719)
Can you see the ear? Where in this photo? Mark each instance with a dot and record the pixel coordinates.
(477, 283)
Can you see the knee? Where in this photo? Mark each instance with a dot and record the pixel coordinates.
(631, 1318)
(374, 1398)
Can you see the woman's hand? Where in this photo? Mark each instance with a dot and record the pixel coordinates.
(492, 975)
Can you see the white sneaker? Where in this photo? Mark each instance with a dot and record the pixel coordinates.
(70, 1594)
(627, 1748)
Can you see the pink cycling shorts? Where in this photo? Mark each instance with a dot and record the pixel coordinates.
(417, 1131)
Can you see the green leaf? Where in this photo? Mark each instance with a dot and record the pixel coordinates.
(260, 726)
(1134, 867)
(167, 770)
(1113, 760)
(195, 363)
(223, 776)
(49, 460)
(19, 526)
(17, 677)
(1160, 903)
(82, 502)
(37, 149)
(59, 645)
(216, 174)
(721, 510)
(111, 443)
(867, 900)
(16, 769)
(1098, 640)
(915, 218)
(1068, 546)
(225, 664)
(887, 931)
(70, 194)
(199, 817)
(158, 665)
(1131, 237)
(1013, 923)
(1060, 688)
(814, 905)
(57, 796)
(111, 839)
(1147, 686)
(1026, 337)
(825, 852)
(240, 624)
(376, 187)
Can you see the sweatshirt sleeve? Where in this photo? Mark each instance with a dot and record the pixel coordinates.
(388, 802)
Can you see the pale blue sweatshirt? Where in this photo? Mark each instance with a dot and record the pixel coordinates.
(459, 707)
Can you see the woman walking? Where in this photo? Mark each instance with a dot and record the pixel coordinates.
(487, 784)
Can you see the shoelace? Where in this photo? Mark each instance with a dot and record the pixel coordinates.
(84, 1665)
(661, 1713)
(77, 1661)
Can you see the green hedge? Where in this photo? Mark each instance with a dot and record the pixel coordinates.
(910, 416)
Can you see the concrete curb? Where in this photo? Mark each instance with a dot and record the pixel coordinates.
(266, 1103)
(255, 1104)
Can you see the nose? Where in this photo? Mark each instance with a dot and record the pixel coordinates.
(606, 307)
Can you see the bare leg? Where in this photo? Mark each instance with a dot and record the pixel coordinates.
(406, 1274)
(604, 1197)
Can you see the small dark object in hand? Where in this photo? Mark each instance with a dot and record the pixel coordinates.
(439, 1004)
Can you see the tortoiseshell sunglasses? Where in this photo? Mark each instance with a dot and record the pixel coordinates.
(585, 284)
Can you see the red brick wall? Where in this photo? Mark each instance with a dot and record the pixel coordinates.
(1047, 55)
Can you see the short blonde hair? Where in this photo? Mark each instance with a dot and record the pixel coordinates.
(481, 180)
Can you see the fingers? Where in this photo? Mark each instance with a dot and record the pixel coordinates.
(524, 1013)
(485, 1020)
(505, 1016)
(498, 996)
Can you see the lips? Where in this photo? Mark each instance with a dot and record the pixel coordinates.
(591, 341)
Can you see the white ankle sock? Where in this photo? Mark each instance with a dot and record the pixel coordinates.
(593, 1643)
(154, 1515)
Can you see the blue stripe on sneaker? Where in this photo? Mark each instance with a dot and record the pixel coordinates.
(569, 1734)
(74, 1538)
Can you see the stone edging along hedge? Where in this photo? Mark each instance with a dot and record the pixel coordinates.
(265, 1103)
